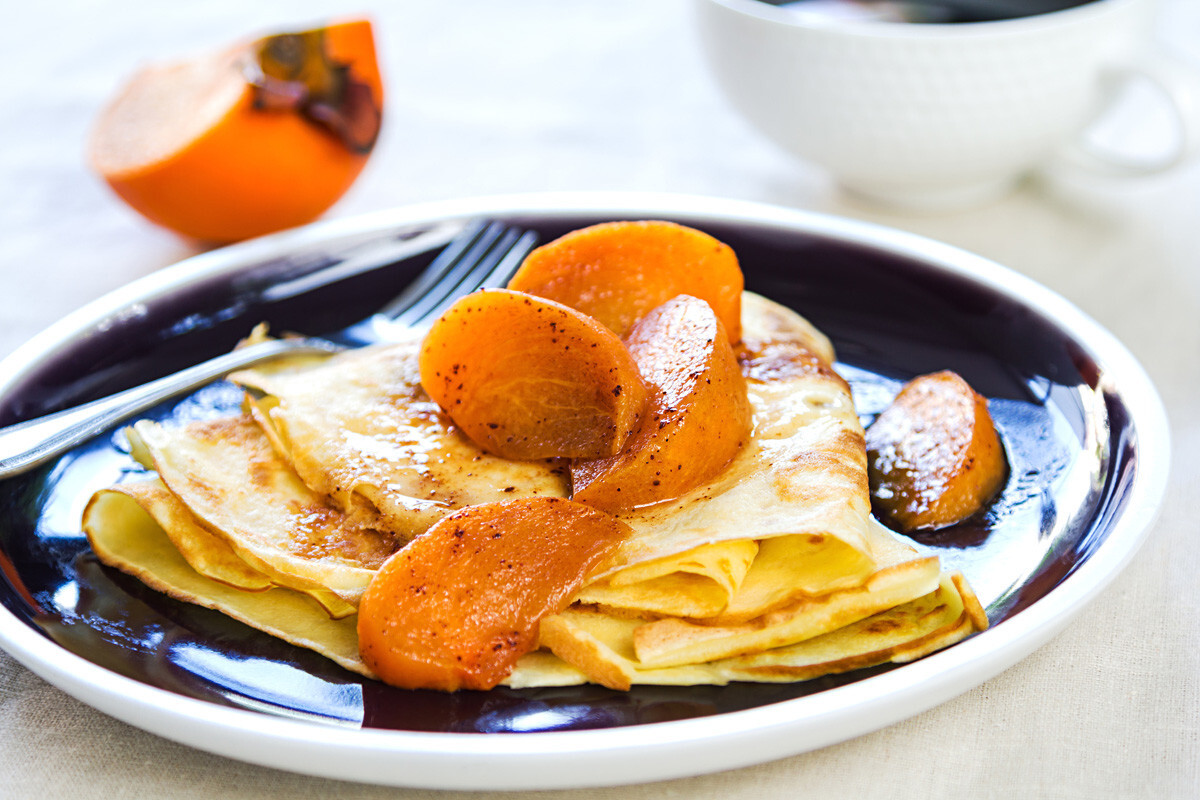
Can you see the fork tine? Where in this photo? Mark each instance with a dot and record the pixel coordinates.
(487, 264)
(509, 264)
(476, 273)
(435, 272)
(493, 270)
(448, 284)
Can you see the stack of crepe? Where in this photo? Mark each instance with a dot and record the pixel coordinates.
(774, 571)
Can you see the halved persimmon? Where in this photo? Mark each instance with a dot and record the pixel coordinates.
(525, 377)
(618, 272)
(264, 135)
(699, 415)
(461, 603)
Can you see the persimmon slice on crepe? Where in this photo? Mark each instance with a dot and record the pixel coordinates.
(698, 417)
(264, 135)
(458, 606)
(618, 272)
(802, 477)
(526, 377)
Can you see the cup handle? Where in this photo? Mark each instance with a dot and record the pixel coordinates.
(1177, 87)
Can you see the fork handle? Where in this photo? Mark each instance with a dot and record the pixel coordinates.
(28, 444)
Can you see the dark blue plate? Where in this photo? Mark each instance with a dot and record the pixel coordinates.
(1084, 431)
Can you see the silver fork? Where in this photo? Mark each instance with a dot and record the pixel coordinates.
(483, 255)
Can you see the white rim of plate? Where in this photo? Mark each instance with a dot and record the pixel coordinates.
(638, 753)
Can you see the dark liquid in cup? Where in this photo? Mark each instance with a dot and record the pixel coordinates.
(927, 11)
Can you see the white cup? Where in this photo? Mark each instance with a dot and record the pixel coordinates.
(941, 115)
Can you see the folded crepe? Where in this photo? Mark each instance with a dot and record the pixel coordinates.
(598, 645)
(602, 647)
(227, 477)
(773, 571)
(359, 429)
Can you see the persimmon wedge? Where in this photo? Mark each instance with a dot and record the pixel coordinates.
(618, 272)
(698, 418)
(934, 457)
(461, 603)
(260, 136)
(525, 377)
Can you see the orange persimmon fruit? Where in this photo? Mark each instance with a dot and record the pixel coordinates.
(698, 418)
(524, 377)
(264, 135)
(462, 602)
(934, 457)
(618, 272)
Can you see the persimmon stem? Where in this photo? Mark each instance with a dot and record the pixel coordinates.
(294, 72)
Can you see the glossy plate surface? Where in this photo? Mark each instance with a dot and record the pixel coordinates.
(1084, 429)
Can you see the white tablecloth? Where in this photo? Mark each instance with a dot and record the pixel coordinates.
(531, 95)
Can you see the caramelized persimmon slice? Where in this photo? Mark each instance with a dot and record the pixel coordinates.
(264, 135)
(698, 418)
(618, 272)
(934, 456)
(525, 377)
(461, 603)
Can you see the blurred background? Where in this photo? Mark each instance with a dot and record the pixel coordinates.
(483, 98)
(539, 95)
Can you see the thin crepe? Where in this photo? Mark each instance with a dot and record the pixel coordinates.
(359, 429)
(210, 555)
(233, 483)
(133, 542)
(602, 647)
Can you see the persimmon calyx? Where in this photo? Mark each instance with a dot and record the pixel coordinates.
(294, 72)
